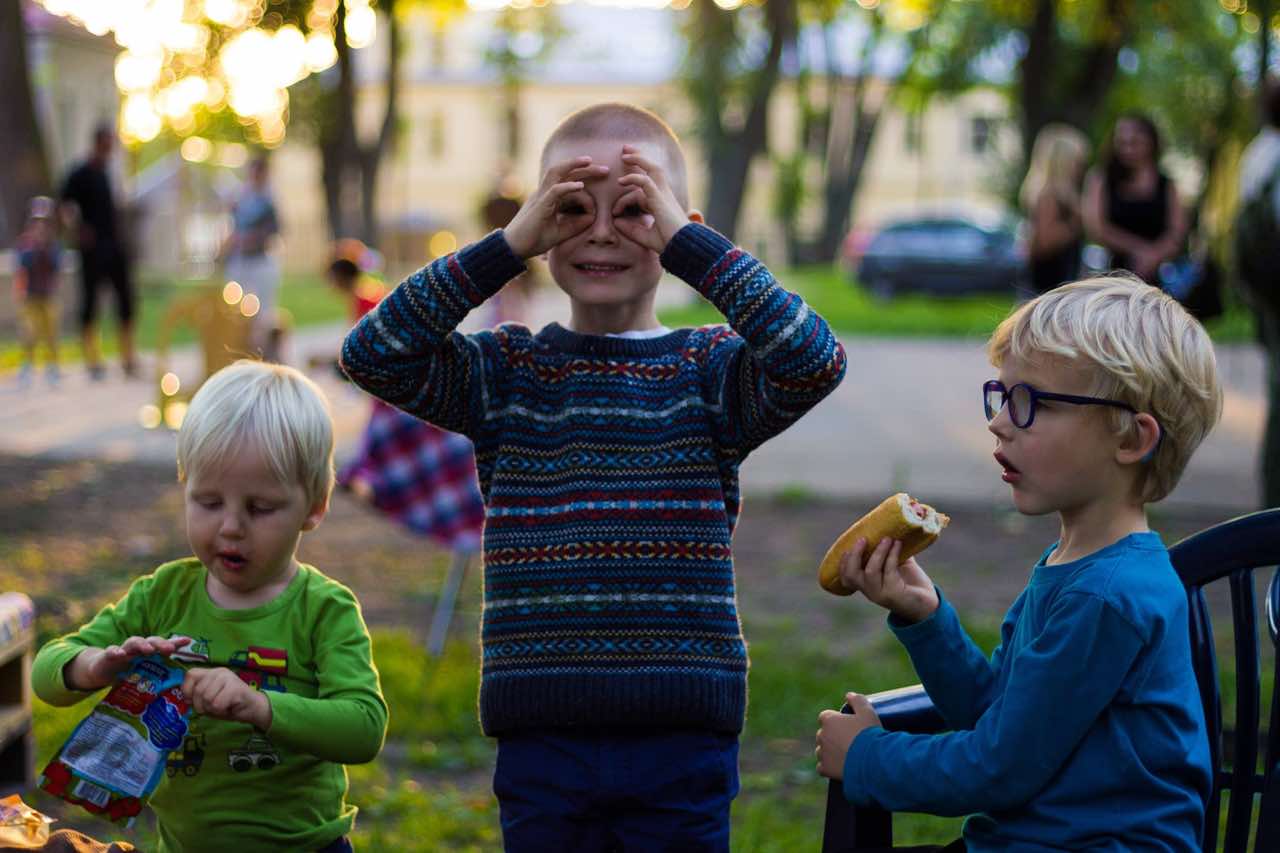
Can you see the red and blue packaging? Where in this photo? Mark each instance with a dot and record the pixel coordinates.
(115, 757)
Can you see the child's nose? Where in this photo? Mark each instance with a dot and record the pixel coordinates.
(1001, 426)
(232, 524)
(602, 230)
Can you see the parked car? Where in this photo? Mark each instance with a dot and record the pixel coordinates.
(947, 255)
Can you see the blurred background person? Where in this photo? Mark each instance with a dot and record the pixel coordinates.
(1051, 199)
(420, 475)
(250, 256)
(90, 212)
(36, 287)
(1131, 207)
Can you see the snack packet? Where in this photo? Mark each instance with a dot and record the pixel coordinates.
(22, 826)
(116, 756)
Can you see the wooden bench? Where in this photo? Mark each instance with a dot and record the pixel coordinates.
(17, 644)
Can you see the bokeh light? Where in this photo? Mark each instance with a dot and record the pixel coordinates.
(232, 292)
(149, 416)
(442, 243)
(183, 61)
(174, 412)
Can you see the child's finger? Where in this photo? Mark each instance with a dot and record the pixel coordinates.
(556, 192)
(851, 565)
(874, 569)
(632, 157)
(633, 197)
(893, 561)
(557, 172)
(593, 170)
(641, 181)
(136, 646)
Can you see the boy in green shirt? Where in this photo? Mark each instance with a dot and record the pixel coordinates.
(282, 683)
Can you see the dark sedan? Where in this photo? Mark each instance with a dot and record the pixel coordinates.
(943, 255)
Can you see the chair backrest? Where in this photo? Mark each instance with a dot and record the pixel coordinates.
(1234, 550)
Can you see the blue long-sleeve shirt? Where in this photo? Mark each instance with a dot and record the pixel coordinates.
(1084, 729)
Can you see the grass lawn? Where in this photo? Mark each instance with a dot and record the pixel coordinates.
(853, 311)
(308, 299)
(430, 788)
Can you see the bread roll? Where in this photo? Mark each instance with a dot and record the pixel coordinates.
(897, 517)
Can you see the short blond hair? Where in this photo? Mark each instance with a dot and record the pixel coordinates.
(627, 123)
(1143, 349)
(273, 405)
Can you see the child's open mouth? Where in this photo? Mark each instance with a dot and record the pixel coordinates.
(232, 560)
(600, 270)
(1010, 474)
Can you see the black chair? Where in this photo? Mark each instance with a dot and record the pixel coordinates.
(1231, 550)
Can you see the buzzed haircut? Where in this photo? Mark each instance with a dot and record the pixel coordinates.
(627, 123)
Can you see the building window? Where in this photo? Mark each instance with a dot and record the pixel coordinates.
(981, 130)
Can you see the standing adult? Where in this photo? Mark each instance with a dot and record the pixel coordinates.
(1051, 199)
(250, 258)
(1131, 206)
(1258, 259)
(90, 211)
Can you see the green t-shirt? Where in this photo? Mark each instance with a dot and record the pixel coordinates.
(232, 787)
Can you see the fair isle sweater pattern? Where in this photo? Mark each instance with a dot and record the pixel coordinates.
(609, 469)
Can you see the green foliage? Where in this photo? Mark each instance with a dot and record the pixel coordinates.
(851, 310)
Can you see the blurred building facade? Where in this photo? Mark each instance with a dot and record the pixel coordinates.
(454, 138)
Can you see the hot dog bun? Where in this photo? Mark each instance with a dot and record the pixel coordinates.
(899, 517)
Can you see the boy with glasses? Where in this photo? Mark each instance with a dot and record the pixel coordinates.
(1084, 729)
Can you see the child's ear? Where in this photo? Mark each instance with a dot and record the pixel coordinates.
(1140, 444)
(316, 515)
(695, 215)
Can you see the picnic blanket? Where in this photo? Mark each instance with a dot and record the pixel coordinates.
(420, 475)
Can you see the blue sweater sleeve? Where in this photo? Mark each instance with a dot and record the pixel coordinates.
(406, 352)
(785, 358)
(1057, 687)
(953, 670)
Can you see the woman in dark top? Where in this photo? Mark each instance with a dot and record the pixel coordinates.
(1051, 198)
(1131, 207)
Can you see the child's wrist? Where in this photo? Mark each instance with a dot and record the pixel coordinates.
(261, 713)
(76, 674)
(915, 612)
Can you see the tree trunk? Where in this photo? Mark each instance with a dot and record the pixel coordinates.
(1046, 93)
(852, 127)
(349, 170)
(26, 171)
(729, 153)
(371, 155)
(1264, 10)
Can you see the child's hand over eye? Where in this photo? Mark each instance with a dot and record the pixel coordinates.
(223, 695)
(901, 588)
(94, 669)
(557, 210)
(836, 732)
(647, 212)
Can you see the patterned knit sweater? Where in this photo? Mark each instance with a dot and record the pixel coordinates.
(609, 469)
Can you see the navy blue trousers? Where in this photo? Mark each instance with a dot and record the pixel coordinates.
(616, 791)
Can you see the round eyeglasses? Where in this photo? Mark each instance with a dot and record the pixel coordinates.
(1022, 398)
